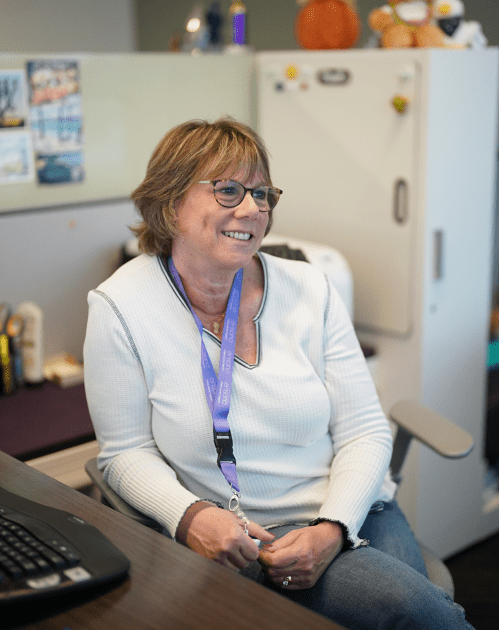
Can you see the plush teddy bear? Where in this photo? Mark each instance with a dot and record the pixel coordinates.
(406, 24)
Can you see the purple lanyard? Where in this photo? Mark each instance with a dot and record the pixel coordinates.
(218, 392)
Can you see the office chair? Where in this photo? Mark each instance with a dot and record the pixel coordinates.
(413, 420)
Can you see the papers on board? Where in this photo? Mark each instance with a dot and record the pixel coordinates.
(41, 123)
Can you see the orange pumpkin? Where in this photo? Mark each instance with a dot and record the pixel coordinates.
(326, 24)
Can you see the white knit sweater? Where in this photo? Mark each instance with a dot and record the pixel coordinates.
(309, 434)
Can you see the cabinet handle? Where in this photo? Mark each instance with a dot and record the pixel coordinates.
(401, 201)
(333, 76)
(438, 254)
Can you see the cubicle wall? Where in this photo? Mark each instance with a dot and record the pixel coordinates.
(128, 102)
(59, 241)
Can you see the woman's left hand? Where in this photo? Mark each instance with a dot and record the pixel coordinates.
(302, 555)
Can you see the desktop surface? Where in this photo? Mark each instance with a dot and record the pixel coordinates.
(46, 407)
(168, 586)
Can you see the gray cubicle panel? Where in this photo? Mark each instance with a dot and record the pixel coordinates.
(129, 101)
(55, 257)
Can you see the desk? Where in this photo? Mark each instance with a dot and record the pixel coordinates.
(169, 586)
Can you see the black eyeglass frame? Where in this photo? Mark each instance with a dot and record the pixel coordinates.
(213, 182)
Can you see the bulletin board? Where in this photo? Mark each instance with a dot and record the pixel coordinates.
(128, 102)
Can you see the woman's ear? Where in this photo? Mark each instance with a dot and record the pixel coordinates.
(174, 209)
(173, 215)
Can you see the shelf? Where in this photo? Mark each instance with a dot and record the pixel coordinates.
(42, 420)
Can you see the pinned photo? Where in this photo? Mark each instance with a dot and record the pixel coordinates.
(56, 120)
(13, 99)
(60, 168)
(16, 157)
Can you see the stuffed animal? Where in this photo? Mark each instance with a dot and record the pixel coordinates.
(406, 24)
(449, 16)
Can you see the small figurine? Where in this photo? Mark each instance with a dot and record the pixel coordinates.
(215, 22)
(175, 42)
(237, 11)
(458, 33)
(406, 24)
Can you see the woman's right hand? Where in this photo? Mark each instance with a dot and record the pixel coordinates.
(219, 535)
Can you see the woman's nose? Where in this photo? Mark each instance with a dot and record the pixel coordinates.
(248, 206)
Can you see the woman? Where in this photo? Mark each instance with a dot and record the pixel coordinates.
(203, 336)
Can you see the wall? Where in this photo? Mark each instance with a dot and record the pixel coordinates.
(67, 26)
(54, 257)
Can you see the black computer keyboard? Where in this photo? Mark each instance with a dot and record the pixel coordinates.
(47, 551)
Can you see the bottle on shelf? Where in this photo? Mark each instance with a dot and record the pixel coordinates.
(32, 345)
(14, 329)
(6, 379)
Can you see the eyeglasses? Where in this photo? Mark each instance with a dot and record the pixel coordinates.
(229, 194)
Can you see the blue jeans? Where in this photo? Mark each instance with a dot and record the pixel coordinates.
(380, 587)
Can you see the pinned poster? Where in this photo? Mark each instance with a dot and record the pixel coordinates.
(13, 99)
(56, 120)
(16, 157)
(16, 152)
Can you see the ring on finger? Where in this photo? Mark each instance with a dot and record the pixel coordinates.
(287, 580)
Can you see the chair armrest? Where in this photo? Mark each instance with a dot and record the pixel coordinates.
(434, 430)
(114, 500)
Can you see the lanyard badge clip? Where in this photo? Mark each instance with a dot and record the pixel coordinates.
(223, 444)
(236, 508)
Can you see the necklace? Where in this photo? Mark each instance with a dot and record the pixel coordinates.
(216, 325)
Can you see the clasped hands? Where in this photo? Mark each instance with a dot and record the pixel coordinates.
(302, 554)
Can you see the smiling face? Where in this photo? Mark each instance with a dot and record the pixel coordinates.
(216, 238)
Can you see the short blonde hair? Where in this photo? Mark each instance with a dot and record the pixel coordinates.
(193, 151)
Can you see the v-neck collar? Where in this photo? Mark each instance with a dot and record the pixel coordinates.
(166, 271)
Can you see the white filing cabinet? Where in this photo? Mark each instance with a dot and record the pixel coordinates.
(408, 199)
